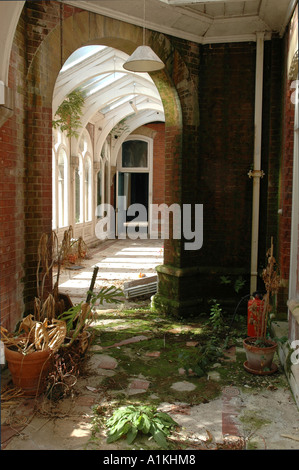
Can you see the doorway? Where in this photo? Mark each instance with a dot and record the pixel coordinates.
(134, 188)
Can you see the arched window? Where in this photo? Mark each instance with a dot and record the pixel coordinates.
(62, 189)
(54, 218)
(106, 183)
(79, 192)
(87, 188)
(99, 190)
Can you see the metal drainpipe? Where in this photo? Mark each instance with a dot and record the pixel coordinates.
(295, 198)
(257, 173)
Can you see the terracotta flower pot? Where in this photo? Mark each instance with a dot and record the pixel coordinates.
(29, 371)
(259, 359)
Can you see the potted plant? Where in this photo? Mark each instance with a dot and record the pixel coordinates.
(28, 352)
(260, 349)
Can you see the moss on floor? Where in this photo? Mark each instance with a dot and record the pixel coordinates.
(179, 346)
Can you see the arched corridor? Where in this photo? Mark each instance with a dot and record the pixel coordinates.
(216, 130)
(119, 262)
(94, 167)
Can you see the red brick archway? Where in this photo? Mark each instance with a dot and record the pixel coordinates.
(36, 59)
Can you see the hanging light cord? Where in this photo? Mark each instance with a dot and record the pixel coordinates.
(144, 22)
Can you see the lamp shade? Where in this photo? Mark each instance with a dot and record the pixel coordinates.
(143, 59)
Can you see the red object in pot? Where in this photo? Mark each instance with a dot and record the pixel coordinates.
(251, 317)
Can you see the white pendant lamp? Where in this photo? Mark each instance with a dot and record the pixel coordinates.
(143, 58)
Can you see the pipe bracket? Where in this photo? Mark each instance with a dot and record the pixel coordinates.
(256, 174)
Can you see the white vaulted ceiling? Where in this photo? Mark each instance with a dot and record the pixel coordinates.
(199, 21)
(112, 94)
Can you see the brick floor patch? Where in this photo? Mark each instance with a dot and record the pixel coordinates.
(153, 354)
(230, 411)
(138, 386)
(230, 354)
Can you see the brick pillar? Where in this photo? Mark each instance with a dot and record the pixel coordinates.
(179, 275)
(38, 194)
(210, 167)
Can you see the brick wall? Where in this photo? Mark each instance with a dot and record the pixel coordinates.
(181, 177)
(25, 172)
(158, 162)
(286, 183)
(271, 148)
(297, 273)
(12, 198)
(227, 90)
(26, 139)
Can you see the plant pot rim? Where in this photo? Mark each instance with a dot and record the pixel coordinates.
(248, 343)
(44, 352)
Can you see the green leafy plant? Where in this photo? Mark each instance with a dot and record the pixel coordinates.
(79, 316)
(208, 355)
(216, 317)
(225, 280)
(69, 113)
(238, 284)
(200, 362)
(128, 421)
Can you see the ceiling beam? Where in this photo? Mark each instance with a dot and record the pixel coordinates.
(166, 29)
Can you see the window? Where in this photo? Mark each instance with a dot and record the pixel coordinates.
(78, 193)
(87, 188)
(62, 189)
(106, 184)
(99, 190)
(54, 218)
(134, 154)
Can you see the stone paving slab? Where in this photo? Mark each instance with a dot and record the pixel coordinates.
(134, 339)
(102, 361)
(106, 362)
(183, 386)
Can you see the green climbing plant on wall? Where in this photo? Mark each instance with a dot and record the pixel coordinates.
(68, 114)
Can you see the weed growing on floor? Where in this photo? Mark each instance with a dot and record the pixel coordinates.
(130, 420)
(216, 317)
(208, 354)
